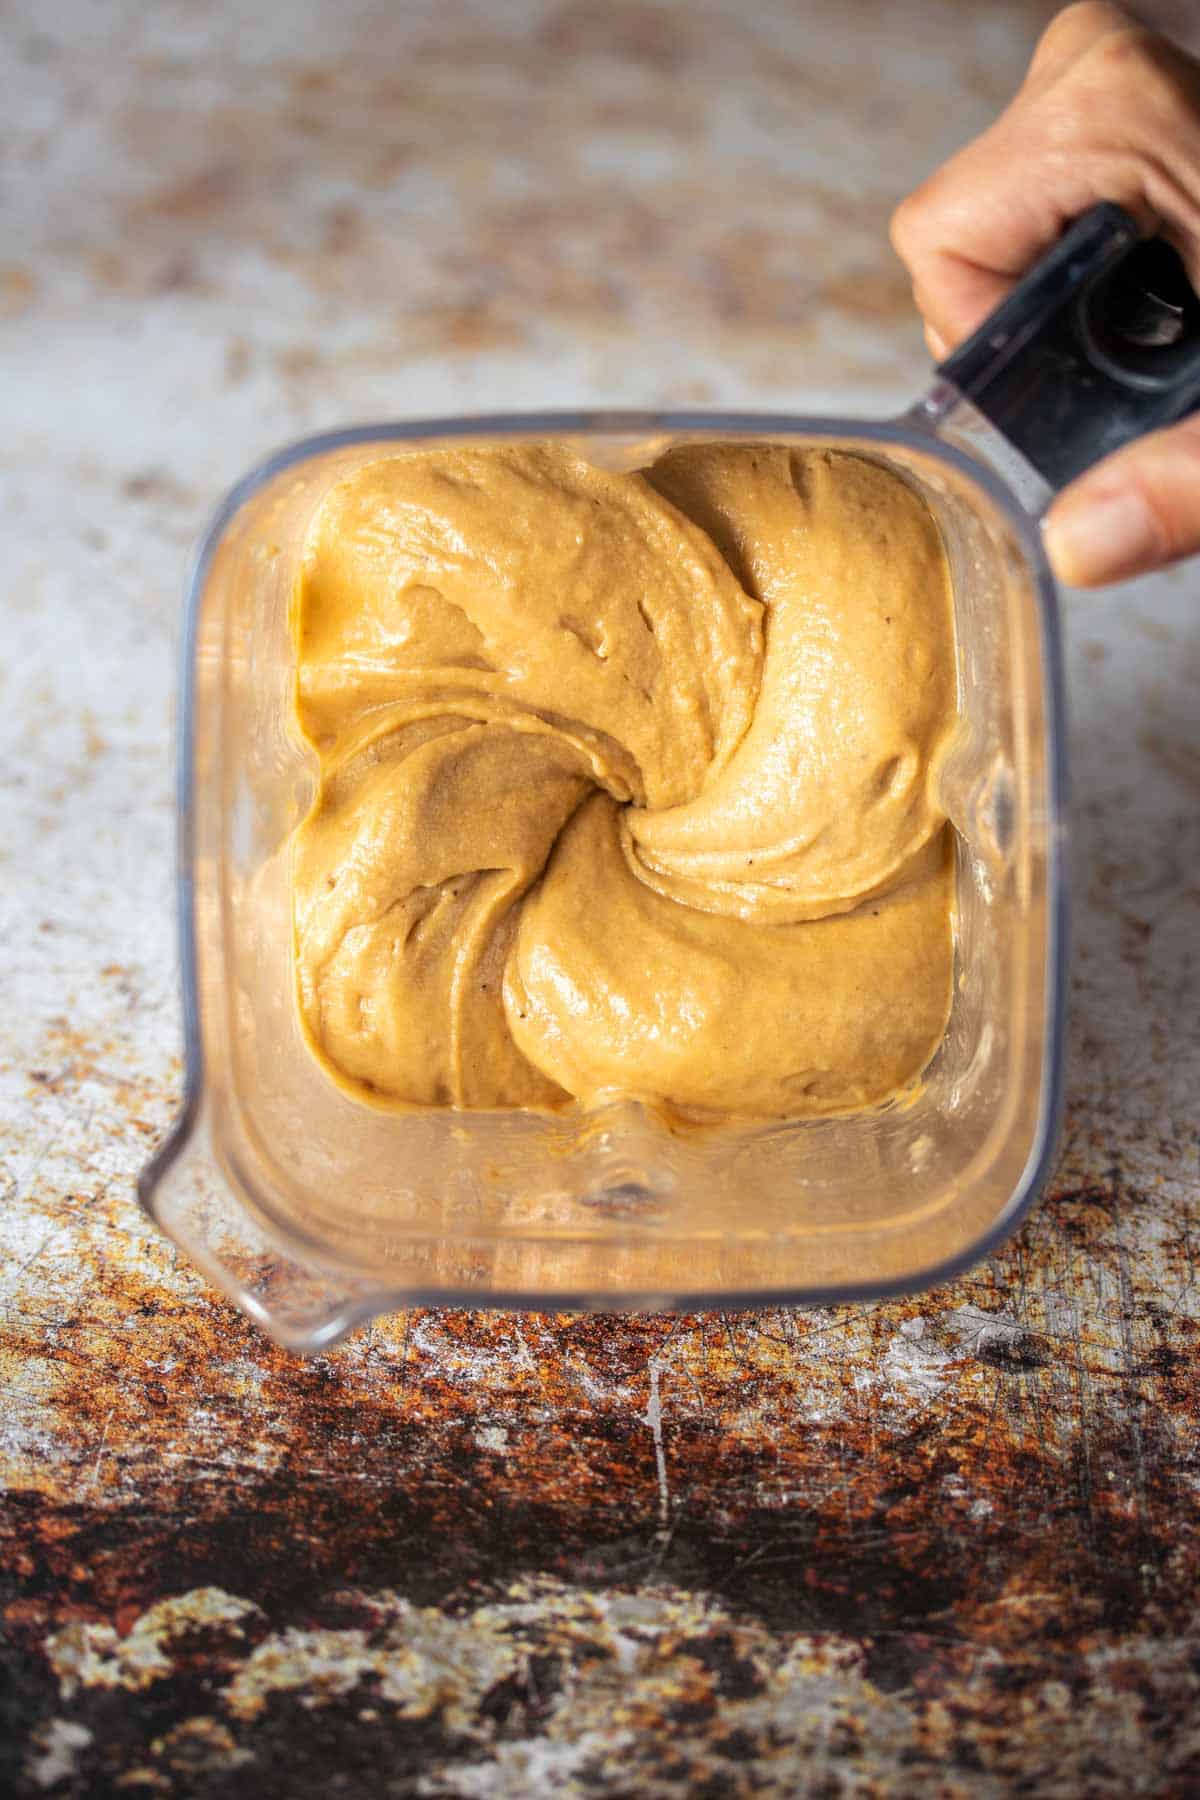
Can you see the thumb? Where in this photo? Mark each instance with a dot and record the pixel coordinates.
(1138, 510)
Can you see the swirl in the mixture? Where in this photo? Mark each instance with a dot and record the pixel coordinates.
(627, 781)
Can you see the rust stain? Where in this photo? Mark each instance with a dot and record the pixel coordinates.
(344, 230)
(198, 195)
(297, 361)
(875, 293)
(18, 290)
(943, 1510)
(339, 148)
(658, 38)
(1177, 758)
(157, 486)
(238, 360)
(109, 270)
(967, 1560)
(74, 1060)
(469, 327)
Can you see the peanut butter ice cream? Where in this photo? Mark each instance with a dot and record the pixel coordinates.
(626, 781)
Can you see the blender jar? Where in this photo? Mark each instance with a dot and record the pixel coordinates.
(314, 1212)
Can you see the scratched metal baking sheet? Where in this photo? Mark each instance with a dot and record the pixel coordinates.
(944, 1547)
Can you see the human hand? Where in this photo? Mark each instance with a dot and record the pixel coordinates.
(1107, 111)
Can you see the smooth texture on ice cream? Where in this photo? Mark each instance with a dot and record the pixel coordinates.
(627, 781)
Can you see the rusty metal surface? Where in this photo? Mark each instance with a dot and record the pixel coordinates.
(940, 1547)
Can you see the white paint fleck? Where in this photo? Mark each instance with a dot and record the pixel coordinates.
(323, 1664)
(87, 1655)
(60, 1740)
(424, 1662)
(914, 1367)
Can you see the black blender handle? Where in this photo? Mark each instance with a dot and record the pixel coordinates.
(1097, 345)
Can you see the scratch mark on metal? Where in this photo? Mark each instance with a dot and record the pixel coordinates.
(100, 1451)
(1125, 1314)
(654, 1419)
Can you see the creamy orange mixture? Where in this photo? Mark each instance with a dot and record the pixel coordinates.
(627, 781)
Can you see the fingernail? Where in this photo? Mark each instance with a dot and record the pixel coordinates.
(938, 347)
(1092, 539)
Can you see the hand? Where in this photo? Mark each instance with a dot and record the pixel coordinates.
(1107, 111)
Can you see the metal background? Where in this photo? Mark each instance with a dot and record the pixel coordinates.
(945, 1547)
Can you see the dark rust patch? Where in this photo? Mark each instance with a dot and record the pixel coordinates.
(1006, 1523)
(972, 1496)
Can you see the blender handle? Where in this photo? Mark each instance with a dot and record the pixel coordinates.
(1097, 345)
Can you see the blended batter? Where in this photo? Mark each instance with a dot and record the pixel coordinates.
(627, 782)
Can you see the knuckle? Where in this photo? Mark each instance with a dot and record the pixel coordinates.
(914, 226)
(1071, 20)
(904, 227)
(1078, 24)
(1136, 66)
